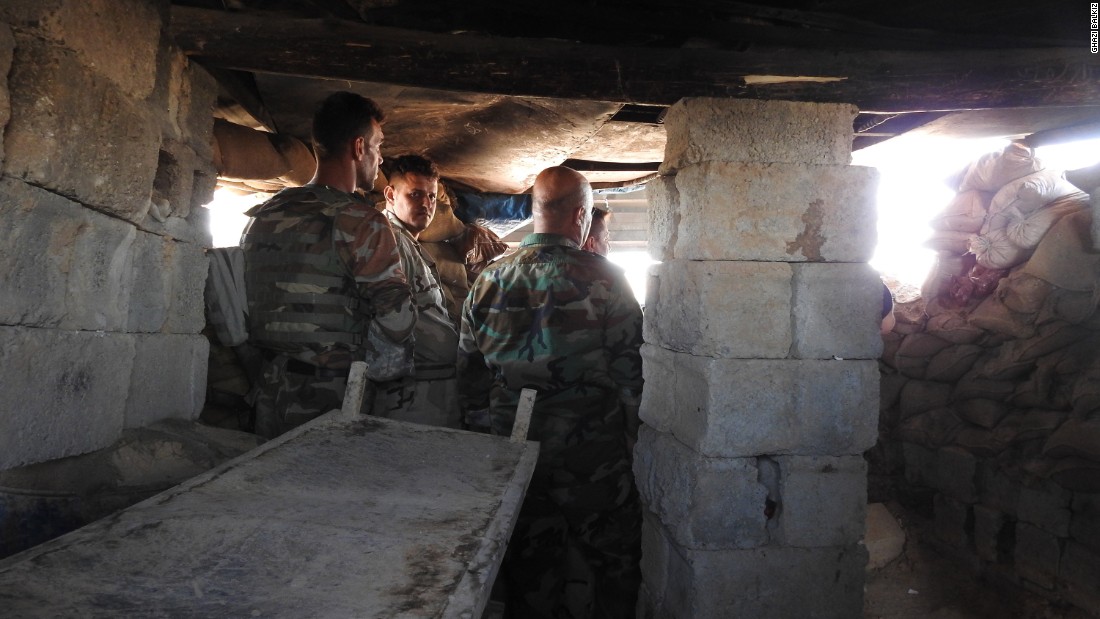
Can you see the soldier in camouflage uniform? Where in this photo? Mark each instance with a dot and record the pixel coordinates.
(565, 322)
(430, 396)
(323, 276)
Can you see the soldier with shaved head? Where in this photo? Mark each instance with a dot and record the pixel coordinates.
(565, 322)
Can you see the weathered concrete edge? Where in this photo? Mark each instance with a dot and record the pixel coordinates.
(471, 593)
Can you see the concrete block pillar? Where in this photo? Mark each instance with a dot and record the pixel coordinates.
(761, 392)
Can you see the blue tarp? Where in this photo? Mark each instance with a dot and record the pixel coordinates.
(500, 212)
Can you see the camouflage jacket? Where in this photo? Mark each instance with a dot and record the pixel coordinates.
(565, 322)
(324, 282)
(436, 339)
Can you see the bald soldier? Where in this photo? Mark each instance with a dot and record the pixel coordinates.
(563, 321)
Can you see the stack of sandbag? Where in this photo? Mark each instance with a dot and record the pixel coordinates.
(252, 160)
(1006, 203)
(460, 250)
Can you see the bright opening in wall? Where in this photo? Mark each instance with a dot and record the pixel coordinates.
(915, 185)
(227, 218)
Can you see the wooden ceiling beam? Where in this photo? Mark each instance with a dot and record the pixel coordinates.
(881, 81)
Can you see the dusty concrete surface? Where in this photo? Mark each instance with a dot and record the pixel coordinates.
(367, 518)
(926, 582)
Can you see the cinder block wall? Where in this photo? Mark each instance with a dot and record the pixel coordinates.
(105, 159)
(761, 334)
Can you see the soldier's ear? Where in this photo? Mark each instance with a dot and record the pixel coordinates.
(359, 148)
(388, 192)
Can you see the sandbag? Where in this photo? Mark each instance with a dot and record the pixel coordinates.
(1085, 179)
(1065, 257)
(965, 213)
(1038, 391)
(1028, 424)
(994, 250)
(982, 412)
(950, 364)
(978, 441)
(919, 396)
(1075, 437)
(946, 266)
(994, 170)
(1086, 391)
(952, 327)
(992, 315)
(972, 386)
(300, 159)
(1072, 306)
(247, 154)
(1003, 364)
(890, 385)
(1028, 194)
(1024, 293)
(948, 241)
(935, 428)
(1077, 474)
(915, 352)
(1026, 231)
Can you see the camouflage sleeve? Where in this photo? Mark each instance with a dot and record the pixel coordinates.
(474, 377)
(623, 338)
(365, 242)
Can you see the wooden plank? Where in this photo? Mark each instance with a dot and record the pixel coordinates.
(337, 518)
(882, 81)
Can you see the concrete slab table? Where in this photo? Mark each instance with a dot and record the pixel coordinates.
(339, 518)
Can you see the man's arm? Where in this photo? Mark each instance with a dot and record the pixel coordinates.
(364, 240)
(474, 378)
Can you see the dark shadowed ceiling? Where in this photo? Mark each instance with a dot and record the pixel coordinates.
(496, 90)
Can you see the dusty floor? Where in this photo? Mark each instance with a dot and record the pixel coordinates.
(924, 583)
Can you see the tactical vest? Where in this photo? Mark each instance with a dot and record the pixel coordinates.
(300, 294)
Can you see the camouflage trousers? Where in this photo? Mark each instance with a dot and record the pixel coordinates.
(575, 552)
(428, 402)
(285, 400)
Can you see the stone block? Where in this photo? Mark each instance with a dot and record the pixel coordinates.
(63, 392)
(1047, 507)
(169, 278)
(1038, 554)
(746, 130)
(7, 50)
(189, 94)
(884, 537)
(957, 474)
(712, 503)
(721, 309)
(74, 133)
(748, 407)
(953, 521)
(822, 583)
(67, 266)
(1084, 528)
(117, 39)
(664, 216)
(823, 501)
(657, 556)
(992, 535)
(777, 212)
(837, 311)
(168, 379)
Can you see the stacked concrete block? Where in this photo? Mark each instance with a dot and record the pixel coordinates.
(761, 380)
(106, 161)
(60, 391)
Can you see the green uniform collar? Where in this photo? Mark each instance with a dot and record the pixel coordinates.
(544, 238)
